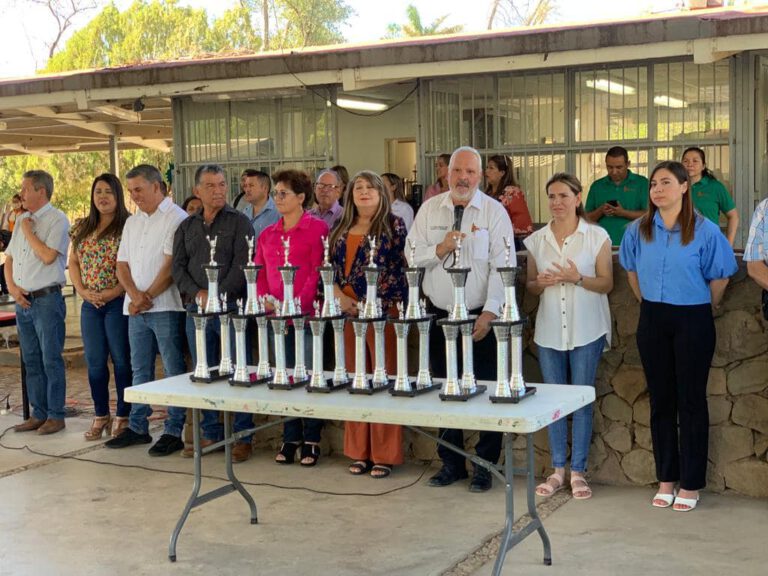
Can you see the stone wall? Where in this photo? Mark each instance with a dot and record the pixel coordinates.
(621, 452)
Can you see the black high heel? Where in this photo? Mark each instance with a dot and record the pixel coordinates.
(288, 452)
(310, 452)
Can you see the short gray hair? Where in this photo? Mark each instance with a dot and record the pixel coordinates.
(208, 169)
(40, 179)
(147, 171)
(466, 149)
(329, 171)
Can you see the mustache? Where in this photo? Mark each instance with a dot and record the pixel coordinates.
(462, 182)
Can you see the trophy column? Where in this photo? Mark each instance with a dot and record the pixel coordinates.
(459, 320)
(509, 339)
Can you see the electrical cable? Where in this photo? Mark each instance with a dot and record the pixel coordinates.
(427, 466)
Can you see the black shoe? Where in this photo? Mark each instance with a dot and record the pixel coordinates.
(128, 438)
(167, 444)
(447, 476)
(481, 480)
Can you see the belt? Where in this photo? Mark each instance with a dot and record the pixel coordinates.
(44, 291)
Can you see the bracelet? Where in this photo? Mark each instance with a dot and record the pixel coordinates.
(580, 281)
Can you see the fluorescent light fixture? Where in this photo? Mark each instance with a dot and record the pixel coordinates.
(606, 85)
(669, 102)
(355, 104)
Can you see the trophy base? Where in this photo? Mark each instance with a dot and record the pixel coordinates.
(415, 391)
(332, 387)
(371, 389)
(481, 388)
(214, 377)
(253, 380)
(529, 391)
(292, 384)
(448, 322)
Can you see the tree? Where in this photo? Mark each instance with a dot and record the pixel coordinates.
(505, 13)
(414, 28)
(64, 12)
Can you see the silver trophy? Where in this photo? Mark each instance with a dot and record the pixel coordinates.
(340, 376)
(379, 367)
(242, 375)
(280, 377)
(317, 326)
(212, 305)
(424, 376)
(300, 375)
(225, 365)
(402, 381)
(509, 339)
(202, 371)
(370, 308)
(288, 274)
(360, 382)
(459, 321)
(263, 369)
(251, 272)
(330, 303)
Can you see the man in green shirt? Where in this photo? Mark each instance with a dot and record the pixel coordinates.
(617, 199)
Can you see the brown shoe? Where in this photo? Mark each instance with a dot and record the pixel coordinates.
(51, 426)
(29, 424)
(241, 452)
(189, 451)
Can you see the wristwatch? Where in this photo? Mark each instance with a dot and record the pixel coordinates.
(580, 281)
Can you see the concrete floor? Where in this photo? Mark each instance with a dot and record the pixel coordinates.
(105, 512)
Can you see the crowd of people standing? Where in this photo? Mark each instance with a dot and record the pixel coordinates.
(139, 275)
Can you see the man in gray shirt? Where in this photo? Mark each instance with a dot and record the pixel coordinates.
(34, 270)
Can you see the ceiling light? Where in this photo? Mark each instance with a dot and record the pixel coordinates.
(669, 102)
(355, 104)
(606, 85)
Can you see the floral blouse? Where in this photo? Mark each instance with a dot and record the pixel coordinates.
(98, 262)
(390, 258)
(513, 199)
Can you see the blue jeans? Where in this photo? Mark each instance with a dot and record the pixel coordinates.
(105, 334)
(212, 428)
(149, 333)
(581, 363)
(41, 337)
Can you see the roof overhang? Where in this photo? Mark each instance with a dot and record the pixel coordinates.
(84, 109)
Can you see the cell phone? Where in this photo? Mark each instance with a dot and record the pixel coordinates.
(614, 203)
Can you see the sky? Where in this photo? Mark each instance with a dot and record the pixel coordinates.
(27, 26)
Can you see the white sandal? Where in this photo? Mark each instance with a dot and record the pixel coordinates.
(689, 503)
(546, 489)
(668, 499)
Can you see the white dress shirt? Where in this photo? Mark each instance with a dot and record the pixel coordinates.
(147, 240)
(570, 316)
(52, 228)
(404, 211)
(485, 223)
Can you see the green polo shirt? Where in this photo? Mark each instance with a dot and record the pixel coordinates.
(631, 193)
(710, 198)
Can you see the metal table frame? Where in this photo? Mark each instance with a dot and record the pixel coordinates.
(505, 473)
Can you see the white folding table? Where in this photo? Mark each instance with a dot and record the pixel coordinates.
(550, 403)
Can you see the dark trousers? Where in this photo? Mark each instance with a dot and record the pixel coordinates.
(488, 445)
(676, 345)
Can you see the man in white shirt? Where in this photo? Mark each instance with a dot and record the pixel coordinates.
(482, 223)
(152, 302)
(34, 271)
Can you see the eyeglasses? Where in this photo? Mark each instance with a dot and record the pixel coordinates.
(282, 194)
(321, 186)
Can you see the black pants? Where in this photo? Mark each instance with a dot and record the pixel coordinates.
(488, 445)
(676, 345)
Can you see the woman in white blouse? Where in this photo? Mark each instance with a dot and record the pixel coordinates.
(569, 268)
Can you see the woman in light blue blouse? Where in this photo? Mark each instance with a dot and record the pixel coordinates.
(678, 264)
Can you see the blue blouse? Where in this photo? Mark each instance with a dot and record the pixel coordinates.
(671, 273)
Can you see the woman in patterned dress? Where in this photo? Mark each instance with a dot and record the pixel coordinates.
(502, 185)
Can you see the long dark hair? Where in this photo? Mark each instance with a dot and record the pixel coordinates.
(397, 182)
(379, 223)
(573, 183)
(687, 217)
(706, 172)
(90, 223)
(503, 164)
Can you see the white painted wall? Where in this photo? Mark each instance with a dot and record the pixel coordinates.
(362, 141)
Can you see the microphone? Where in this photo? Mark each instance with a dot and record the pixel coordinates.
(458, 214)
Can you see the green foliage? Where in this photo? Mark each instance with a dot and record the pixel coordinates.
(414, 28)
(308, 22)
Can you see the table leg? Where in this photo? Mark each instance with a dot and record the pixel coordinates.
(230, 471)
(195, 487)
(509, 537)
